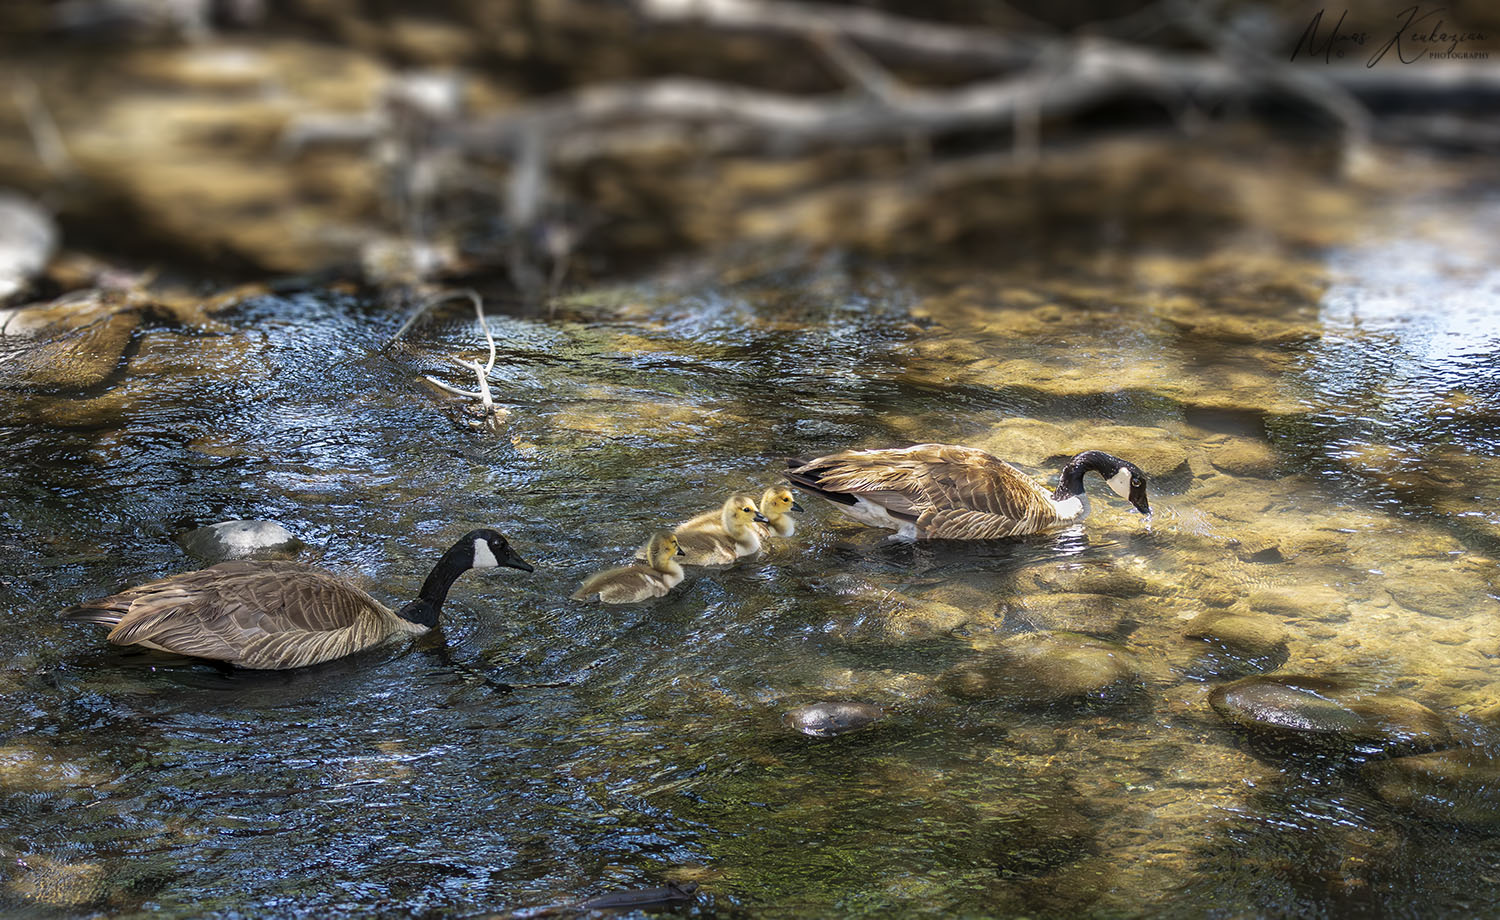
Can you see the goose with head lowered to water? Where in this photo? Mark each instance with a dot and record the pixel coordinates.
(948, 492)
(278, 615)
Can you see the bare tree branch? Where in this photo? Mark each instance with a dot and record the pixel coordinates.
(872, 27)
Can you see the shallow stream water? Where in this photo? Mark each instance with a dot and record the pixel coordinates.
(1319, 420)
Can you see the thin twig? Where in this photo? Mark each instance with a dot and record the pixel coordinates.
(488, 413)
(422, 310)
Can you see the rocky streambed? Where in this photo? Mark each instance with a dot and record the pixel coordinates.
(1277, 695)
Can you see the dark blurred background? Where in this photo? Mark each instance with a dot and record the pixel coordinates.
(545, 143)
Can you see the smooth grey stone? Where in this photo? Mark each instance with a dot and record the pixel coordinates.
(240, 540)
(1456, 786)
(824, 720)
(1317, 712)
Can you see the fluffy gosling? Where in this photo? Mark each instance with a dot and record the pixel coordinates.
(631, 584)
(775, 504)
(719, 539)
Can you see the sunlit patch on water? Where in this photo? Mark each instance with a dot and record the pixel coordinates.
(1316, 432)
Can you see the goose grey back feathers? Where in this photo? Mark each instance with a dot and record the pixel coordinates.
(278, 615)
(949, 492)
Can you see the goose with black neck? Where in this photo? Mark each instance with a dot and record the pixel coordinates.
(279, 615)
(951, 492)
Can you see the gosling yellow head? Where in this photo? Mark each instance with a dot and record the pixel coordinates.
(740, 512)
(776, 503)
(662, 551)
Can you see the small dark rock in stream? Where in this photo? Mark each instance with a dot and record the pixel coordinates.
(824, 720)
(1455, 786)
(1316, 712)
(1044, 668)
(240, 540)
(639, 898)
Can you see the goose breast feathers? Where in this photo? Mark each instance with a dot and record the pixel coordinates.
(941, 491)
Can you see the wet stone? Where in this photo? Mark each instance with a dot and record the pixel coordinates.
(1046, 668)
(1096, 614)
(1315, 712)
(1245, 457)
(1460, 786)
(1090, 579)
(1252, 638)
(824, 720)
(240, 540)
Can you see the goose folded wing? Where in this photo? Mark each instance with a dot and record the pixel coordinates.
(889, 478)
(219, 611)
(970, 495)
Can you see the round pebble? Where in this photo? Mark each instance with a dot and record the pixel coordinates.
(824, 720)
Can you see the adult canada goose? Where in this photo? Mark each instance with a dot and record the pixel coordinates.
(775, 505)
(710, 539)
(277, 615)
(629, 584)
(947, 492)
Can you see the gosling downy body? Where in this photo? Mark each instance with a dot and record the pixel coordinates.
(948, 492)
(631, 584)
(279, 615)
(710, 539)
(776, 505)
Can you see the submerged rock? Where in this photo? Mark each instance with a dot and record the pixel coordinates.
(1236, 643)
(1241, 456)
(1045, 668)
(78, 341)
(1315, 712)
(51, 883)
(1457, 786)
(1050, 445)
(1088, 579)
(1096, 614)
(824, 720)
(240, 540)
(73, 343)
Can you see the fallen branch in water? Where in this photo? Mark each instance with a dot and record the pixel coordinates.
(486, 414)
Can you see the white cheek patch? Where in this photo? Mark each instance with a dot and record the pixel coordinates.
(1120, 482)
(484, 558)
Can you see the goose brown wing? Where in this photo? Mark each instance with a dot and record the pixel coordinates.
(951, 492)
(969, 494)
(222, 611)
(889, 478)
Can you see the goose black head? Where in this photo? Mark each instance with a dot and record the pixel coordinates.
(1128, 482)
(490, 549)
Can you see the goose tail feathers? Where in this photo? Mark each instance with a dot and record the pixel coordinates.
(89, 613)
